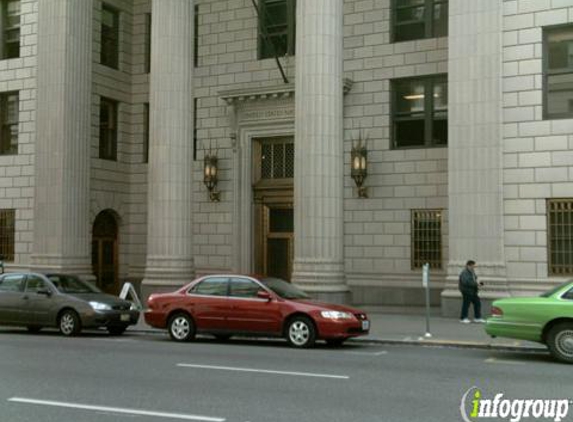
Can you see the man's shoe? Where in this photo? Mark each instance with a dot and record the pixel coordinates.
(479, 320)
(465, 321)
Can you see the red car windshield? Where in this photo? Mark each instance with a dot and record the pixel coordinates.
(284, 289)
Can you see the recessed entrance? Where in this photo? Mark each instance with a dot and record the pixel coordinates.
(105, 252)
(273, 206)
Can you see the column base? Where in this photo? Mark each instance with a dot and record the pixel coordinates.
(77, 265)
(322, 279)
(166, 275)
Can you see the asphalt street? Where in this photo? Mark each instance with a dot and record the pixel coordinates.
(147, 377)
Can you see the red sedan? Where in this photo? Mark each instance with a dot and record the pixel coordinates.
(226, 305)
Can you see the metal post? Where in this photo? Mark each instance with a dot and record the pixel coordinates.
(426, 284)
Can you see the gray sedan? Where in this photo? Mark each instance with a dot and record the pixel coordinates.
(35, 301)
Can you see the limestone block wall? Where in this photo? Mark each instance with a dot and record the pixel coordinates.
(538, 153)
(110, 187)
(17, 171)
(377, 229)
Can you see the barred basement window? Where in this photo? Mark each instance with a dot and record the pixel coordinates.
(10, 34)
(7, 234)
(9, 103)
(560, 236)
(426, 238)
(277, 159)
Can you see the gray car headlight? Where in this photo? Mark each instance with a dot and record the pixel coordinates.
(336, 315)
(98, 306)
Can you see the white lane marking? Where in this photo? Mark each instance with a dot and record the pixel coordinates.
(502, 361)
(383, 352)
(263, 371)
(116, 410)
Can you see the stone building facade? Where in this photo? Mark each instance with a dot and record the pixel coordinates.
(464, 107)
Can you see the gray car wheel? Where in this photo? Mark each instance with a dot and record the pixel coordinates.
(69, 323)
(181, 327)
(301, 332)
(560, 342)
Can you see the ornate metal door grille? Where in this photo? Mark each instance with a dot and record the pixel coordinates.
(560, 236)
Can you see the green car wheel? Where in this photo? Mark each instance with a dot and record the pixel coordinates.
(560, 341)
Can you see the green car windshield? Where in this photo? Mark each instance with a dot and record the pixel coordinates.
(284, 289)
(71, 284)
(555, 289)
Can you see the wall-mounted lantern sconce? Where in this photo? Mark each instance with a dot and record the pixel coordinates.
(359, 167)
(210, 179)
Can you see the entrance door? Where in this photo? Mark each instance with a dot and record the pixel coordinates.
(104, 252)
(273, 173)
(278, 248)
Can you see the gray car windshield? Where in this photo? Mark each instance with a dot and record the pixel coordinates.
(555, 289)
(71, 284)
(284, 289)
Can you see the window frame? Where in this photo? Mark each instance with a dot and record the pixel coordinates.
(7, 146)
(8, 234)
(146, 134)
(193, 289)
(6, 29)
(566, 269)
(107, 58)
(547, 74)
(147, 58)
(428, 19)
(108, 136)
(429, 112)
(419, 253)
(263, 37)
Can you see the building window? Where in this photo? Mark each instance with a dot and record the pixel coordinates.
(420, 112)
(9, 121)
(7, 234)
(109, 37)
(277, 158)
(10, 10)
(195, 129)
(426, 238)
(558, 63)
(146, 132)
(147, 42)
(108, 129)
(196, 37)
(276, 28)
(560, 236)
(417, 19)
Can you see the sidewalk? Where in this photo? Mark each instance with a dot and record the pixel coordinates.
(390, 327)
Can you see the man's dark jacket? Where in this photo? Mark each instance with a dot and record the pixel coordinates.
(468, 282)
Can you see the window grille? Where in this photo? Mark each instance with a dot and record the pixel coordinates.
(560, 234)
(277, 160)
(7, 234)
(426, 238)
(276, 28)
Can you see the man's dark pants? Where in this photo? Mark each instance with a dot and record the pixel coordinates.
(471, 298)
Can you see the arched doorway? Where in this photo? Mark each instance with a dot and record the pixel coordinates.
(105, 252)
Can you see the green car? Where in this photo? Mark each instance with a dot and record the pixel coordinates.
(546, 319)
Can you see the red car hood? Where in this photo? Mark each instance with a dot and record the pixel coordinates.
(328, 306)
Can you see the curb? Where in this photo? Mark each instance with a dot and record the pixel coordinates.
(454, 344)
(423, 343)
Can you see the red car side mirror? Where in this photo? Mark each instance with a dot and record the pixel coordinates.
(263, 294)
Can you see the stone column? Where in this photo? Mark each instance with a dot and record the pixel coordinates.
(63, 134)
(318, 186)
(169, 226)
(475, 169)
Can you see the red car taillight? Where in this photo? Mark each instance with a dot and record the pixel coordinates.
(495, 311)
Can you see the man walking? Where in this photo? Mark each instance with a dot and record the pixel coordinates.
(468, 286)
